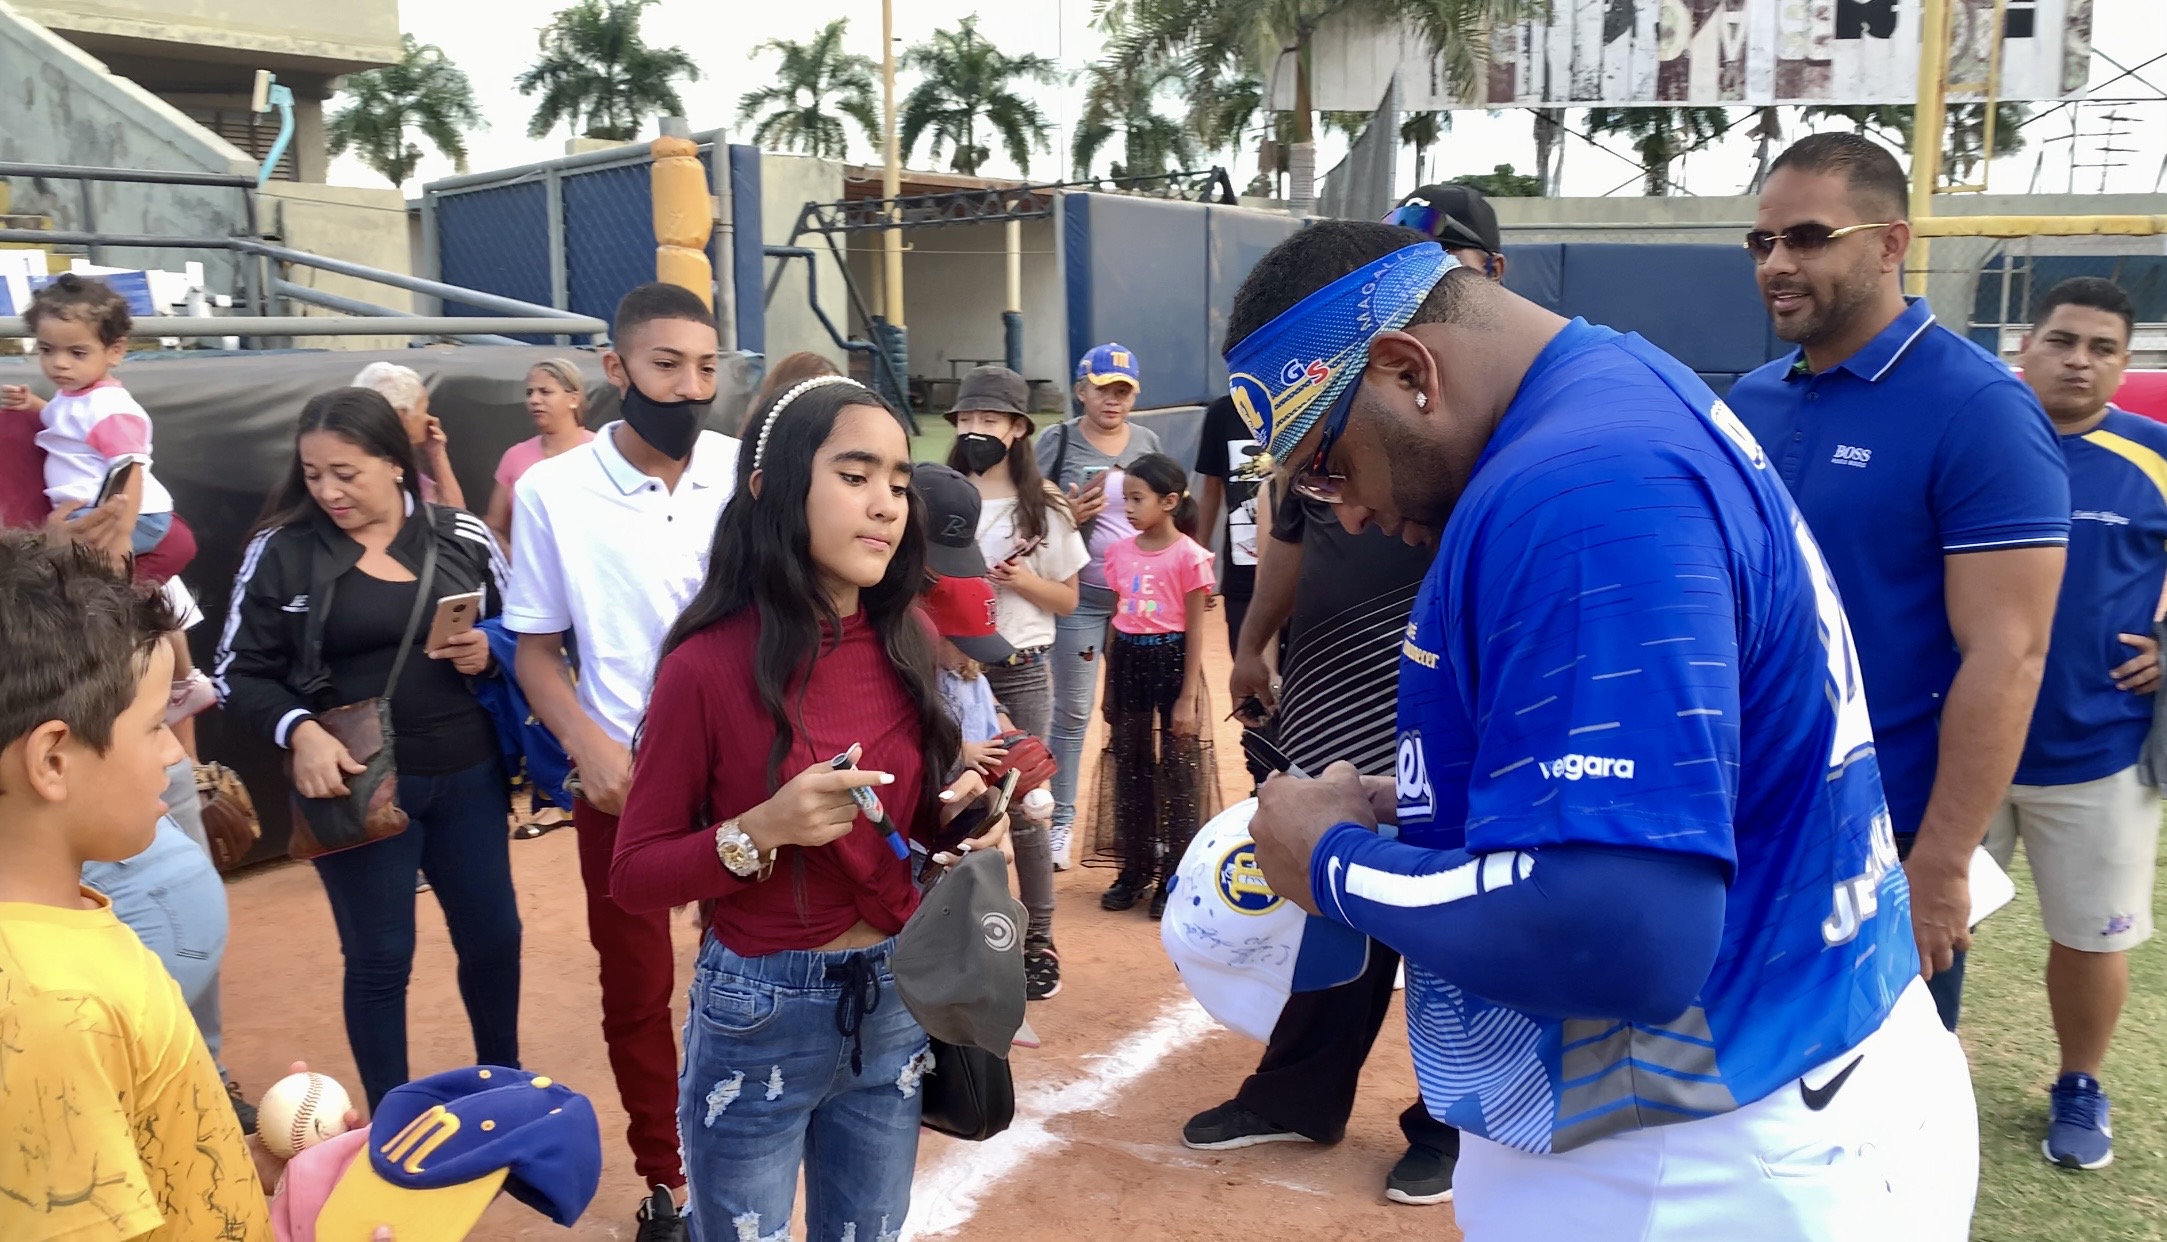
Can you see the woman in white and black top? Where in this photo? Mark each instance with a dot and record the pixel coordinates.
(1083, 458)
(325, 593)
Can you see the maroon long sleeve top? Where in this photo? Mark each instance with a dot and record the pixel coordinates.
(703, 757)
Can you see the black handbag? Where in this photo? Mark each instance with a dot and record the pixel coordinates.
(369, 811)
(968, 1094)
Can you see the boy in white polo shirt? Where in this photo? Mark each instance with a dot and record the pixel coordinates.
(609, 541)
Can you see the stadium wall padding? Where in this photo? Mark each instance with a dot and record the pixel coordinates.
(748, 264)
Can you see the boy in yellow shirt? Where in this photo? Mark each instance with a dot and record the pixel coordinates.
(113, 1121)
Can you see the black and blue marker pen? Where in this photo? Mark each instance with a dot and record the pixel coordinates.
(869, 803)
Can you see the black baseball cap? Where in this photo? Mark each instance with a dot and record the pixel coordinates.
(1454, 214)
(951, 521)
(997, 389)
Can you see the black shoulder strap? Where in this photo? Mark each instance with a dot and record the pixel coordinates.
(421, 605)
(1060, 459)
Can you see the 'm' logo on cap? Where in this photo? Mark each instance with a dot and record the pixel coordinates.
(421, 1137)
(1241, 881)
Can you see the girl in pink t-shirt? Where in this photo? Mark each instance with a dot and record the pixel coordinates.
(557, 402)
(1161, 578)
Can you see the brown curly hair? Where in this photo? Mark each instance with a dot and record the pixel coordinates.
(85, 300)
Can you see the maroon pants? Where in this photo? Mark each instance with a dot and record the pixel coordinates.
(639, 969)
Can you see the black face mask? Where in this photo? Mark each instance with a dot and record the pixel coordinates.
(669, 427)
(980, 452)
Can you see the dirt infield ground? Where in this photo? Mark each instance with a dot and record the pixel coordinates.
(1096, 1151)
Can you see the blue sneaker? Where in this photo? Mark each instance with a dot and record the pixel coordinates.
(2078, 1136)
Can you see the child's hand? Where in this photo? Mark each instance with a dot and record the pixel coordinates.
(983, 757)
(1185, 716)
(1010, 573)
(19, 397)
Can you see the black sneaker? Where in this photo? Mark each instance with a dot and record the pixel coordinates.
(1423, 1175)
(1121, 896)
(1158, 901)
(1041, 970)
(1229, 1126)
(242, 1109)
(659, 1220)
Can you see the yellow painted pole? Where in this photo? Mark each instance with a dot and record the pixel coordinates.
(891, 178)
(684, 216)
(2038, 226)
(1927, 123)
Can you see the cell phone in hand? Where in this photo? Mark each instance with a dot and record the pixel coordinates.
(455, 615)
(118, 476)
(1027, 548)
(971, 821)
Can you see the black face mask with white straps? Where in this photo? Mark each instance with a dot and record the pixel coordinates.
(980, 452)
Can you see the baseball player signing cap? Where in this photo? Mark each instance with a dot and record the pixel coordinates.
(951, 521)
(958, 962)
(963, 611)
(1241, 948)
(440, 1148)
(1457, 215)
(1110, 363)
(992, 388)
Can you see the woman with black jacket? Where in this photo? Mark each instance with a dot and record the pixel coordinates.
(320, 605)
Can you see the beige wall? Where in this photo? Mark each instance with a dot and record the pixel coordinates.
(365, 226)
(787, 183)
(355, 33)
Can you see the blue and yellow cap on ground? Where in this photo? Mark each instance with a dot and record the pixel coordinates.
(1111, 363)
(442, 1147)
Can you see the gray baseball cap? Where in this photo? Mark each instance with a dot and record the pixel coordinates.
(992, 388)
(959, 960)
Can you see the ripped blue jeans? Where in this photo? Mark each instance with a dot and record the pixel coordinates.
(799, 1058)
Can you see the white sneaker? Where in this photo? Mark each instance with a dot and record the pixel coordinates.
(1057, 837)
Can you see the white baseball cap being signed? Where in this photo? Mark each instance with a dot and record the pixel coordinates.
(1241, 948)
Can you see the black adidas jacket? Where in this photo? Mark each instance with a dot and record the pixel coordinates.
(270, 670)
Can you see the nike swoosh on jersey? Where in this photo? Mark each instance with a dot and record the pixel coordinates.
(1818, 1098)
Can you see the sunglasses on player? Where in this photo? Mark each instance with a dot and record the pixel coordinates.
(1802, 240)
(1316, 481)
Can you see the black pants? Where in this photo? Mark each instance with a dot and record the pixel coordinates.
(1307, 1079)
(1156, 772)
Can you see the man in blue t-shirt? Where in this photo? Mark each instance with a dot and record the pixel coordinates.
(1931, 480)
(1659, 970)
(2090, 827)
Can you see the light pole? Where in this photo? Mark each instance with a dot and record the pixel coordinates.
(891, 179)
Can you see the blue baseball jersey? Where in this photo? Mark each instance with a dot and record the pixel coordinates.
(2085, 728)
(1919, 446)
(1630, 639)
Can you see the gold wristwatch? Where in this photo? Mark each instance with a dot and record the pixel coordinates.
(738, 853)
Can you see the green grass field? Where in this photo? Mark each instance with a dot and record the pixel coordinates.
(2011, 1044)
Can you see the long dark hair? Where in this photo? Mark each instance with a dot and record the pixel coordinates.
(762, 560)
(1034, 495)
(361, 417)
(1164, 475)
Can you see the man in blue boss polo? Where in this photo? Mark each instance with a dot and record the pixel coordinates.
(1659, 969)
(2089, 825)
(1930, 477)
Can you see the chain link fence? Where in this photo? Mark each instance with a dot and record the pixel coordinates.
(573, 233)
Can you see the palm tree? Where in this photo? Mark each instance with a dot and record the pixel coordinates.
(1660, 135)
(1224, 39)
(597, 73)
(1963, 147)
(1421, 131)
(966, 80)
(1767, 131)
(1549, 147)
(1119, 101)
(802, 118)
(423, 91)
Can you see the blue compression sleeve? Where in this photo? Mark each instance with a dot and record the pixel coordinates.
(1577, 931)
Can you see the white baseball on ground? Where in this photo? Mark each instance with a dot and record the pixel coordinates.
(300, 1111)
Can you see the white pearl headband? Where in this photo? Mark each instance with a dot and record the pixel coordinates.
(759, 447)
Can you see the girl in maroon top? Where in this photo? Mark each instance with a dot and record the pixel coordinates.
(803, 644)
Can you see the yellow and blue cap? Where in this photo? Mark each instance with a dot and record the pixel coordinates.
(442, 1147)
(1294, 371)
(1111, 363)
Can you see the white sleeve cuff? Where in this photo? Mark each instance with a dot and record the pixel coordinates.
(283, 734)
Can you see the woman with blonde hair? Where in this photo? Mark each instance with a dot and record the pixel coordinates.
(557, 402)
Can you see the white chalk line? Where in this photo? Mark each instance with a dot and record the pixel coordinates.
(945, 1197)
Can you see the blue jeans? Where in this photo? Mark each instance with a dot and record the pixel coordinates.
(458, 839)
(1076, 690)
(171, 897)
(771, 1082)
